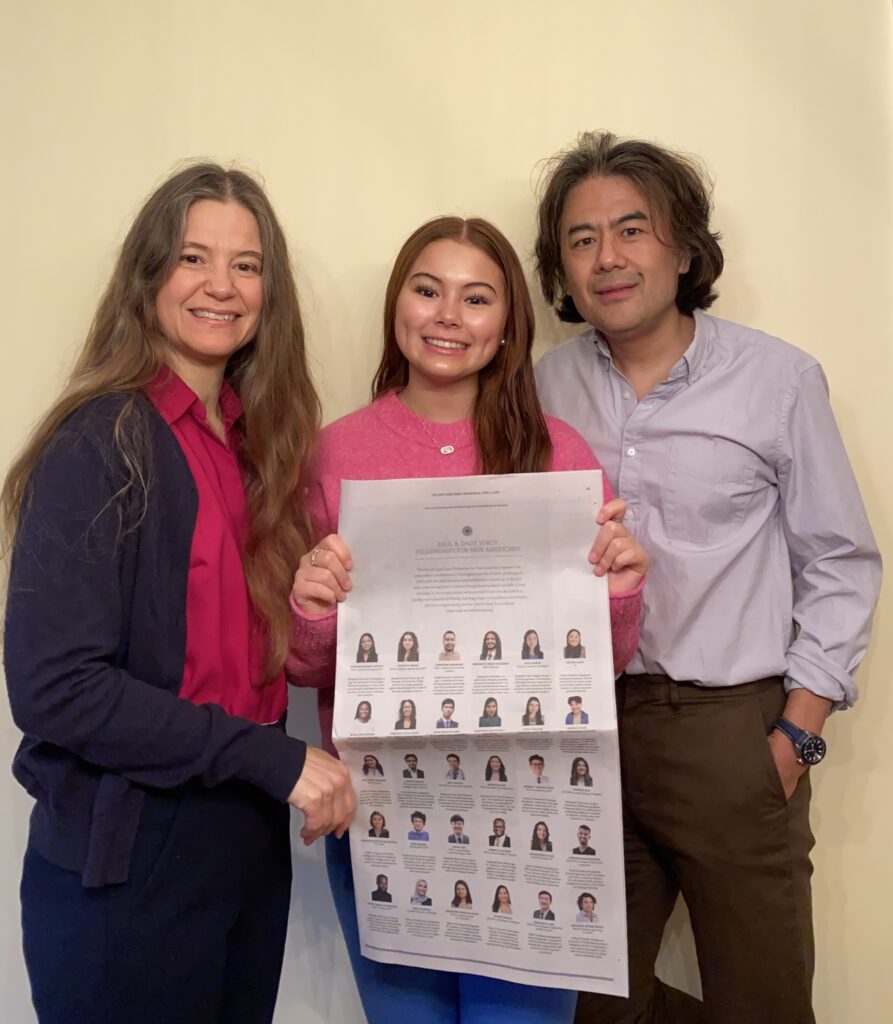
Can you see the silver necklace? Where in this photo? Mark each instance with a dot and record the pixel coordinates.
(445, 449)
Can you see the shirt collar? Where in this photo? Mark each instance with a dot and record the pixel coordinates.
(174, 399)
(691, 362)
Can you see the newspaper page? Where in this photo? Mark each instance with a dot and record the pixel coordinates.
(474, 706)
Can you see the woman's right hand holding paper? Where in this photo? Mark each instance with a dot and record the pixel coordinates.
(322, 579)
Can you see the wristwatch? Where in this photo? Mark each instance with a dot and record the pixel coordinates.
(810, 747)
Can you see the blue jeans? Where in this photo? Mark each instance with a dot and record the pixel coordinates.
(414, 995)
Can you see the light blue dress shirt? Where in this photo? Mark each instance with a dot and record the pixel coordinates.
(739, 487)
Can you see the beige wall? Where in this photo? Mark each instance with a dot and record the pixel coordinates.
(366, 118)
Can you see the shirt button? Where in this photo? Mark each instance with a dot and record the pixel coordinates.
(626, 394)
(630, 452)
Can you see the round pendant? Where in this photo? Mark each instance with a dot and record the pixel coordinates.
(447, 449)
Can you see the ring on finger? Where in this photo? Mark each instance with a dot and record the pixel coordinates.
(313, 558)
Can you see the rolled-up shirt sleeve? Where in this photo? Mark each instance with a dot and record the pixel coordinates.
(835, 562)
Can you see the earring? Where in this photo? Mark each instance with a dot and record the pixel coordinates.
(502, 342)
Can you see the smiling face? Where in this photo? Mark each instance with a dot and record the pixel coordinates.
(421, 888)
(418, 824)
(406, 709)
(575, 706)
(412, 762)
(370, 762)
(364, 711)
(587, 904)
(622, 277)
(449, 642)
(490, 708)
(537, 765)
(583, 837)
(461, 891)
(366, 642)
(531, 640)
(453, 762)
(447, 709)
(533, 707)
(573, 638)
(377, 822)
(406, 641)
(502, 894)
(581, 767)
(545, 900)
(450, 315)
(490, 641)
(495, 764)
(542, 833)
(458, 827)
(211, 304)
(498, 827)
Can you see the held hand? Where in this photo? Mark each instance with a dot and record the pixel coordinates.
(616, 553)
(322, 577)
(325, 796)
(785, 757)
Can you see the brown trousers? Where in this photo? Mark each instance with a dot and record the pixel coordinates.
(705, 815)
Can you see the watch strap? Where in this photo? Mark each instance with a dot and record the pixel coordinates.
(793, 732)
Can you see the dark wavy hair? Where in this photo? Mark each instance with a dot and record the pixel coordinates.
(676, 188)
(535, 842)
(497, 650)
(500, 772)
(455, 900)
(577, 780)
(526, 653)
(509, 426)
(413, 653)
(583, 896)
(495, 907)
(412, 719)
(527, 718)
(372, 654)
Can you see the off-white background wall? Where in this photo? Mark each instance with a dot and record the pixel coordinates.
(365, 119)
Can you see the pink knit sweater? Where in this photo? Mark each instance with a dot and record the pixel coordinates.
(386, 441)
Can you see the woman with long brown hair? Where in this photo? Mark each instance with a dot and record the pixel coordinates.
(154, 536)
(453, 395)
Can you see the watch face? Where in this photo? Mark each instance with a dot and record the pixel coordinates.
(813, 750)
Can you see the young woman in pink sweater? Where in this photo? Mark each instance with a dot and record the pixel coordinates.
(453, 396)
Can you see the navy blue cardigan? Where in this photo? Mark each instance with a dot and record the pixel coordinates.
(95, 641)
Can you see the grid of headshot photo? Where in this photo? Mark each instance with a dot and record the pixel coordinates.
(486, 840)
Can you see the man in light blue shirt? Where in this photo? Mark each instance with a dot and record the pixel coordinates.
(763, 579)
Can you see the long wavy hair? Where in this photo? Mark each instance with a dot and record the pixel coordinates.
(535, 842)
(456, 900)
(580, 780)
(125, 349)
(412, 718)
(509, 425)
(413, 653)
(532, 718)
(526, 653)
(495, 907)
